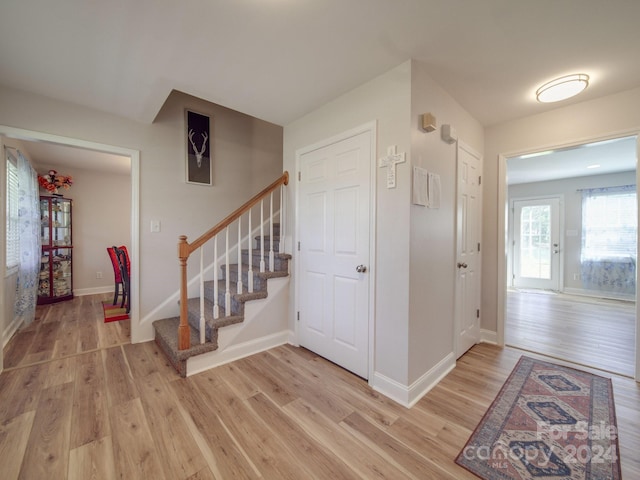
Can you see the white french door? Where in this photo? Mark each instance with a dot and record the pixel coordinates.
(333, 218)
(536, 243)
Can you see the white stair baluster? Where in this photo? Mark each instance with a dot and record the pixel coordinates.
(227, 294)
(250, 272)
(216, 307)
(282, 220)
(202, 295)
(239, 256)
(271, 262)
(261, 235)
(185, 249)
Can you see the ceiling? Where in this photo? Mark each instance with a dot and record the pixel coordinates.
(280, 59)
(610, 156)
(45, 155)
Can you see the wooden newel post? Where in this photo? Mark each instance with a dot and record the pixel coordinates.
(184, 332)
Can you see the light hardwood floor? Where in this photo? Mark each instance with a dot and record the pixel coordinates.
(589, 331)
(109, 410)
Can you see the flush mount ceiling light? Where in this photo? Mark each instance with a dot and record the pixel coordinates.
(562, 88)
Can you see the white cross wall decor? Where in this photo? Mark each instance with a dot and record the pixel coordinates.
(390, 161)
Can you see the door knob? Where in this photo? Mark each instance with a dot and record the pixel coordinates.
(462, 265)
(361, 269)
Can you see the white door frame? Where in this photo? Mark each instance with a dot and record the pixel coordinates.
(370, 127)
(501, 297)
(134, 155)
(511, 253)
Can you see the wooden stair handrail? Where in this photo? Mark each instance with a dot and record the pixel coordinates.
(185, 249)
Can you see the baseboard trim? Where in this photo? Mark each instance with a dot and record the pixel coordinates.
(10, 331)
(600, 294)
(293, 339)
(487, 336)
(408, 396)
(200, 363)
(80, 292)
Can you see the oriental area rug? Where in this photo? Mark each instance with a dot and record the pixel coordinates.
(114, 313)
(547, 422)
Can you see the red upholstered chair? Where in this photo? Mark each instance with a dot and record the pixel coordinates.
(123, 264)
(121, 288)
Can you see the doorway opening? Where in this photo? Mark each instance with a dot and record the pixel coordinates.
(97, 150)
(565, 295)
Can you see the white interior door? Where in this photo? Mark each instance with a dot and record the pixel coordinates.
(333, 279)
(536, 243)
(467, 306)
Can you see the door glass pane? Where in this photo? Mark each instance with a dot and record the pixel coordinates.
(44, 222)
(535, 242)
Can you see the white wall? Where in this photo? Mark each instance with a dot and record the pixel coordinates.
(414, 273)
(386, 100)
(432, 263)
(101, 218)
(242, 159)
(615, 115)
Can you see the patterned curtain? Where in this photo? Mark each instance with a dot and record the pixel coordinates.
(29, 231)
(609, 239)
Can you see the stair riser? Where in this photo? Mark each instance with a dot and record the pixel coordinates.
(267, 244)
(279, 264)
(276, 230)
(194, 322)
(237, 308)
(180, 366)
(166, 337)
(259, 284)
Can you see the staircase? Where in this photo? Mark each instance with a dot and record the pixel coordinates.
(229, 306)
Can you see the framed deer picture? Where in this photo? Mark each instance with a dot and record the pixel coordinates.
(198, 141)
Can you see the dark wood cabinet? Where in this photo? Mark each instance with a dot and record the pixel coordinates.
(56, 278)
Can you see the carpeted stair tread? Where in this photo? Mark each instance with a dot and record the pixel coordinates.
(276, 229)
(267, 240)
(255, 252)
(256, 272)
(166, 337)
(268, 243)
(245, 296)
(221, 321)
(280, 262)
(167, 329)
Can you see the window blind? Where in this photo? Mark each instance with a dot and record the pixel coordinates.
(609, 224)
(13, 236)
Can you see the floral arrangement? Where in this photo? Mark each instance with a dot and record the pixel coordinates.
(52, 181)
